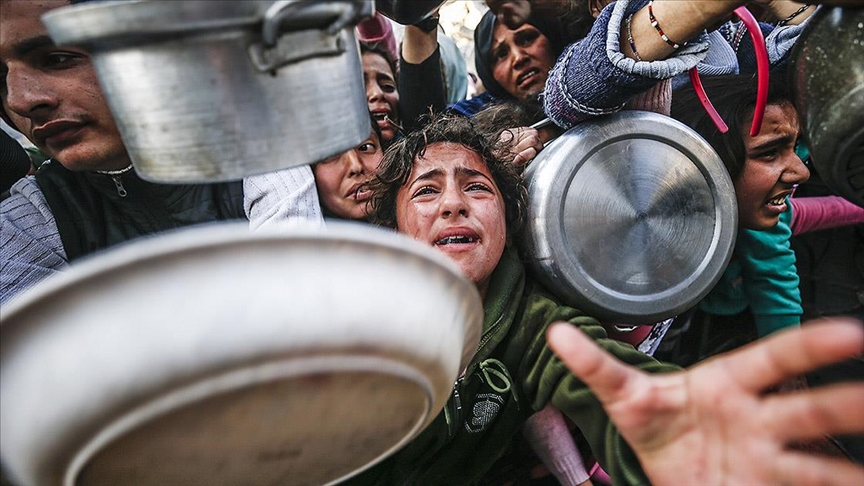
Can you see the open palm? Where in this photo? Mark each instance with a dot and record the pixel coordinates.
(713, 424)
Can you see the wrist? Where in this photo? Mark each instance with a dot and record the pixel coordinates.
(429, 24)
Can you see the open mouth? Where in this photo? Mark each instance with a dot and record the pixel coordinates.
(779, 200)
(528, 76)
(362, 193)
(456, 240)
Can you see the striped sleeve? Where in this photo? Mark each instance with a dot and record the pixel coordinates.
(284, 196)
(30, 245)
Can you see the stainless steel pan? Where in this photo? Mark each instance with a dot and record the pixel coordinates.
(214, 356)
(632, 217)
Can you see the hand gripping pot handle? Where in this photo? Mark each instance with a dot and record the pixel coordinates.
(286, 36)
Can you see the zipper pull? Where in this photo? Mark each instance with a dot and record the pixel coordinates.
(121, 191)
(454, 420)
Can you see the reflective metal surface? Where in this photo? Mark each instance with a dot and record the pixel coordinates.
(632, 217)
(407, 12)
(206, 91)
(829, 95)
(213, 356)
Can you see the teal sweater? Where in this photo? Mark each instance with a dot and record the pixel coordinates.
(512, 375)
(762, 277)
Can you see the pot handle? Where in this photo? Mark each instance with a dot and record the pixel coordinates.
(291, 31)
(762, 67)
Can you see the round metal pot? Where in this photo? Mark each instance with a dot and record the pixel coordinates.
(407, 12)
(631, 217)
(829, 94)
(215, 356)
(206, 91)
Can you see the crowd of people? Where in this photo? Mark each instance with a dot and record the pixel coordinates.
(539, 399)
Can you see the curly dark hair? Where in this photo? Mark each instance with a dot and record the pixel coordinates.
(398, 162)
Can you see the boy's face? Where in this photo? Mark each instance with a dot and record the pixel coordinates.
(51, 93)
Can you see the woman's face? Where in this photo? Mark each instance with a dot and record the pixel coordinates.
(341, 180)
(451, 202)
(381, 93)
(771, 168)
(521, 59)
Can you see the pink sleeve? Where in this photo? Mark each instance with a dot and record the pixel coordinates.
(552, 441)
(820, 213)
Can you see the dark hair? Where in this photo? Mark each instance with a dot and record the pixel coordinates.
(399, 161)
(508, 114)
(734, 97)
(378, 48)
(483, 37)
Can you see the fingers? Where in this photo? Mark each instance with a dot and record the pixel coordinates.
(793, 352)
(525, 156)
(830, 410)
(524, 142)
(604, 374)
(805, 469)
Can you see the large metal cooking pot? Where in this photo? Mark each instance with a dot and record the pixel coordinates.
(829, 94)
(632, 217)
(218, 357)
(207, 91)
(407, 12)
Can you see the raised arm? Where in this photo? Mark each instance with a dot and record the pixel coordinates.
(679, 21)
(421, 80)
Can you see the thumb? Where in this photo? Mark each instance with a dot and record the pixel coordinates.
(606, 376)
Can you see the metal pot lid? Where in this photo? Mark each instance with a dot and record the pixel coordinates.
(219, 356)
(137, 21)
(829, 95)
(632, 217)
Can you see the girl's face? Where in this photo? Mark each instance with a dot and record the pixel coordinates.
(341, 180)
(451, 202)
(771, 168)
(382, 97)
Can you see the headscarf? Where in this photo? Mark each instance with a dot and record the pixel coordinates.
(483, 36)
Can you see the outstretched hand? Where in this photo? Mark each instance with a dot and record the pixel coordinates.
(713, 424)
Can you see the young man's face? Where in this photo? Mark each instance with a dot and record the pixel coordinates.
(451, 202)
(51, 94)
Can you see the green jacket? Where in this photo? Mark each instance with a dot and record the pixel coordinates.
(762, 277)
(512, 375)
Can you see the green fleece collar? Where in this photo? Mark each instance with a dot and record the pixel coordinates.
(502, 302)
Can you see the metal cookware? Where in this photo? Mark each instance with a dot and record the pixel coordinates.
(407, 12)
(632, 217)
(218, 356)
(829, 94)
(207, 91)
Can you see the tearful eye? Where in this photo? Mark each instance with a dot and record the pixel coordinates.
(423, 191)
(479, 187)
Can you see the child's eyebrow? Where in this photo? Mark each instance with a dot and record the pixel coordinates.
(786, 139)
